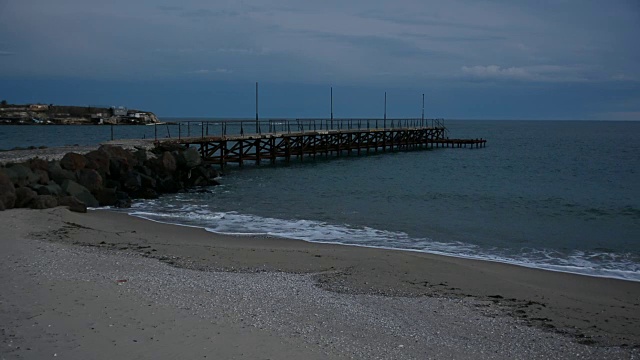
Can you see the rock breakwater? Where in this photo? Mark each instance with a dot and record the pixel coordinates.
(107, 176)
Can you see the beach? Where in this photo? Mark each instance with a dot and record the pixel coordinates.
(309, 180)
(109, 285)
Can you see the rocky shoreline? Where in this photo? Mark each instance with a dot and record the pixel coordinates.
(108, 176)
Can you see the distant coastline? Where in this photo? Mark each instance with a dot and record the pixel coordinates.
(42, 114)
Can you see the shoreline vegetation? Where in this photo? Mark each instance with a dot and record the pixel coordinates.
(491, 306)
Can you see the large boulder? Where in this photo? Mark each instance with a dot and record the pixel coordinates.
(188, 158)
(132, 182)
(143, 155)
(24, 196)
(80, 192)
(169, 185)
(118, 152)
(119, 167)
(78, 206)
(73, 203)
(124, 201)
(99, 161)
(90, 179)
(44, 202)
(58, 174)
(7, 192)
(43, 176)
(113, 184)
(202, 176)
(73, 161)
(144, 170)
(121, 161)
(20, 175)
(164, 164)
(212, 173)
(49, 189)
(147, 182)
(146, 193)
(167, 163)
(38, 164)
(106, 197)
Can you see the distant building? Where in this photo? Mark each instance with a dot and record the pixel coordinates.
(119, 111)
(38, 107)
(97, 118)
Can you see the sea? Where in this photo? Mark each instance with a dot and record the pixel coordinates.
(555, 195)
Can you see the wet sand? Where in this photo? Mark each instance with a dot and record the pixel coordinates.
(191, 292)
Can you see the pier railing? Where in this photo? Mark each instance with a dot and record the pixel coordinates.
(224, 128)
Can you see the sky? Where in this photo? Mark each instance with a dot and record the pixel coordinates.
(492, 59)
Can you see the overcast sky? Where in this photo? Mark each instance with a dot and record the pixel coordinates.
(546, 59)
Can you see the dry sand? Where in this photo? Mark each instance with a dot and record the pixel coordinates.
(141, 289)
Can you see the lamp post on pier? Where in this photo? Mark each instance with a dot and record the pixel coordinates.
(422, 118)
(257, 119)
(385, 110)
(332, 108)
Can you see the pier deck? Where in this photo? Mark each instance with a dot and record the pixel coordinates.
(313, 138)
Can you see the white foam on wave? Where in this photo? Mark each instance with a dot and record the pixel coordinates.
(600, 264)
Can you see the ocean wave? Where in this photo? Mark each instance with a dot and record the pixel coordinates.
(599, 262)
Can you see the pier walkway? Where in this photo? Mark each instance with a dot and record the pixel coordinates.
(251, 141)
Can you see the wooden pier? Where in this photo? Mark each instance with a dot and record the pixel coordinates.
(227, 142)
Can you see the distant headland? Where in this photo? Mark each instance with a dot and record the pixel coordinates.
(42, 114)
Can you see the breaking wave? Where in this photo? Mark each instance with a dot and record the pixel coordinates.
(598, 262)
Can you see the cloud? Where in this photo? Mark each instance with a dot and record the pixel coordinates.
(415, 40)
(198, 13)
(496, 72)
(241, 51)
(170, 8)
(6, 53)
(179, 50)
(189, 12)
(214, 71)
(622, 77)
(618, 116)
(540, 73)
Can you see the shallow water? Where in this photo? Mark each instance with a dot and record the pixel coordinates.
(554, 195)
(559, 195)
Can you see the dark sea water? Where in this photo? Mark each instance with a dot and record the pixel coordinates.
(12, 136)
(557, 195)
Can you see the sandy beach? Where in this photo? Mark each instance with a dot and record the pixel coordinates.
(107, 285)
